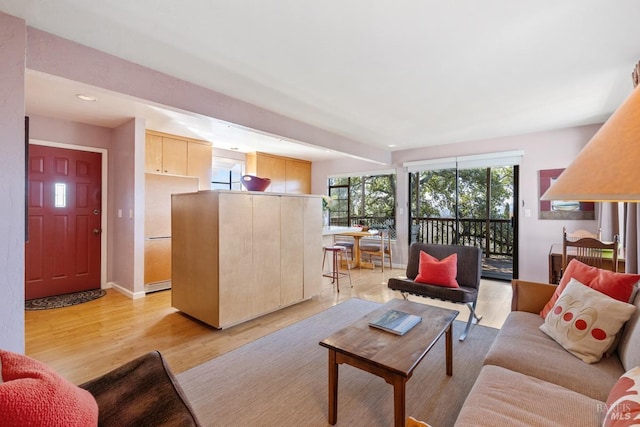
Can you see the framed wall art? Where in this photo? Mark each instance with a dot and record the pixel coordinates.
(559, 209)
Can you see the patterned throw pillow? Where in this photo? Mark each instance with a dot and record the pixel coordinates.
(585, 321)
(623, 403)
(32, 394)
(432, 271)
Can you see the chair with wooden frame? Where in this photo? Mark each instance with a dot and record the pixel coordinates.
(580, 234)
(380, 247)
(590, 251)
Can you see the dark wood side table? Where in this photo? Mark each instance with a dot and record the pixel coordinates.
(555, 262)
(387, 355)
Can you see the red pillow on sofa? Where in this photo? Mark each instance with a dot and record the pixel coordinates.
(432, 271)
(616, 285)
(33, 394)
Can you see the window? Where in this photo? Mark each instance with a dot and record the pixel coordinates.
(226, 174)
(60, 195)
(365, 200)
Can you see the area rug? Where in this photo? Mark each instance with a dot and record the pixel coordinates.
(66, 300)
(281, 379)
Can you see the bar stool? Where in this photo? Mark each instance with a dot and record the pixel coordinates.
(338, 253)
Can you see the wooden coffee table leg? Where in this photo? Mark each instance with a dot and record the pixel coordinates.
(399, 401)
(449, 349)
(333, 388)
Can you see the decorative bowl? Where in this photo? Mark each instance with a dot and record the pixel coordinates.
(254, 183)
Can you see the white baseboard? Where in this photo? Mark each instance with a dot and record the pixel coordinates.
(125, 291)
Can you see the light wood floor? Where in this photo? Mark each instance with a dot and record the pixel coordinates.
(87, 340)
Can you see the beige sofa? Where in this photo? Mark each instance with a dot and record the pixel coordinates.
(529, 379)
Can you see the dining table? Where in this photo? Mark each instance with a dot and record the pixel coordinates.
(357, 258)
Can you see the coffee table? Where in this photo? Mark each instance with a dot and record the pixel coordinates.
(387, 355)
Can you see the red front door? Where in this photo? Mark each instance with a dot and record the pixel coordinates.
(62, 253)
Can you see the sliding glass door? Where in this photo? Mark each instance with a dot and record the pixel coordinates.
(473, 206)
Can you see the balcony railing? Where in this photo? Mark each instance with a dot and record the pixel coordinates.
(493, 236)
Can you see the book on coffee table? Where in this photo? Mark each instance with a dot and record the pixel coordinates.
(396, 322)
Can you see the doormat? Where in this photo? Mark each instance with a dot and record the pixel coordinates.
(66, 300)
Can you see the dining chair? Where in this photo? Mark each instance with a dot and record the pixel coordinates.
(590, 251)
(379, 246)
(580, 234)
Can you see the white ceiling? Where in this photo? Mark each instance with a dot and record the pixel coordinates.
(394, 75)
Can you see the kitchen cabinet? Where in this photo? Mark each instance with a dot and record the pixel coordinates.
(153, 153)
(175, 155)
(199, 159)
(287, 175)
(173, 164)
(165, 155)
(237, 255)
(157, 262)
(157, 226)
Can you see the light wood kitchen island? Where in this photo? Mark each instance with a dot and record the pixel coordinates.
(237, 255)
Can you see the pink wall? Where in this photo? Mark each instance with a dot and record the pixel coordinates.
(55, 130)
(544, 150)
(53, 55)
(128, 190)
(12, 96)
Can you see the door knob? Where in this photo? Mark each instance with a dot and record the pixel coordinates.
(96, 231)
(96, 211)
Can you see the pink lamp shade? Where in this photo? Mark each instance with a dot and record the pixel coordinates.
(254, 183)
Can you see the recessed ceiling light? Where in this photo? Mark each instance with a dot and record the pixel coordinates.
(391, 145)
(233, 148)
(85, 97)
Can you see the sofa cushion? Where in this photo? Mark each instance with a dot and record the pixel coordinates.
(623, 403)
(501, 397)
(522, 347)
(33, 394)
(433, 271)
(617, 285)
(585, 322)
(629, 345)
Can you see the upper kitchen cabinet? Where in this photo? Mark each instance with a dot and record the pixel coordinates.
(199, 163)
(287, 175)
(164, 154)
(175, 155)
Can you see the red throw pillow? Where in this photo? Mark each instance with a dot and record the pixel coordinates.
(616, 285)
(432, 271)
(33, 394)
